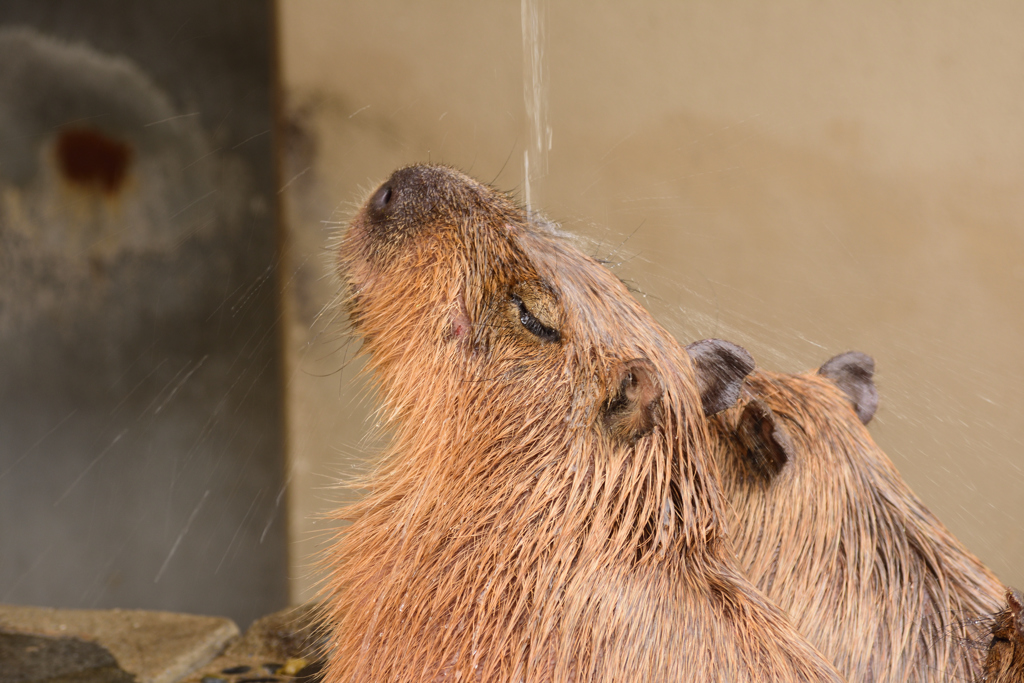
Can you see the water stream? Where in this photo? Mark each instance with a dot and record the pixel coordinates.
(535, 95)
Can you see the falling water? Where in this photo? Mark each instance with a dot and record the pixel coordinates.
(535, 94)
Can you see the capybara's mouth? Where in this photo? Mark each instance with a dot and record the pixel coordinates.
(355, 267)
(370, 245)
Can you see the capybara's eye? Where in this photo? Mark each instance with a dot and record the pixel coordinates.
(531, 323)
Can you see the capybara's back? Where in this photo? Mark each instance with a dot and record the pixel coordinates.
(827, 528)
(547, 510)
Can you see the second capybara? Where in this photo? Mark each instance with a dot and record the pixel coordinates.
(1005, 660)
(547, 509)
(826, 527)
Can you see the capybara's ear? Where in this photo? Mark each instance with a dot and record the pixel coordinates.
(768, 445)
(852, 372)
(632, 406)
(720, 367)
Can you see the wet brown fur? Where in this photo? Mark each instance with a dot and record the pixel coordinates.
(547, 509)
(837, 539)
(1005, 660)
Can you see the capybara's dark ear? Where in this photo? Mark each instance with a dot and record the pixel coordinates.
(852, 372)
(768, 445)
(720, 367)
(632, 406)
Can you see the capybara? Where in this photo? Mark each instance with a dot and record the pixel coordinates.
(1005, 661)
(826, 527)
(547, 509)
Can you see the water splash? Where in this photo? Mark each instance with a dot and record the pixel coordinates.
(177, 541)
(92, 464)
(535, 94)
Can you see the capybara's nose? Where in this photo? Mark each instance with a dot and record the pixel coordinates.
(403, 196)
(382, 198)
(382, 203)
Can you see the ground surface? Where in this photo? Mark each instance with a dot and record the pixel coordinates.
(44, 645)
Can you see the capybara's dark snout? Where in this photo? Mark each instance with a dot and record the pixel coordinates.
(407, 197)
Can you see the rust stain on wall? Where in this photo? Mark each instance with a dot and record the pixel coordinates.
(88, 157)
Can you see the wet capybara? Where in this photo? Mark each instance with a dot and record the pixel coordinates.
(547, 508)
(1005, 660)
(826, 527)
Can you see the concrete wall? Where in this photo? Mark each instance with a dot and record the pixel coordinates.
(803, 178)
(141, 425)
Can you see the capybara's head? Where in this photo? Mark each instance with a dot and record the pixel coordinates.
(822, 522)
(492, 334)
(806, 430)
(548, 508)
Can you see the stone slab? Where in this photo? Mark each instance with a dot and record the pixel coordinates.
(28, 658)
(155, 647)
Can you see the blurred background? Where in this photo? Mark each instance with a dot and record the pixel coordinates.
(178, 398)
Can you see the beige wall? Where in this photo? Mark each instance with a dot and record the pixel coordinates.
(803, 178)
